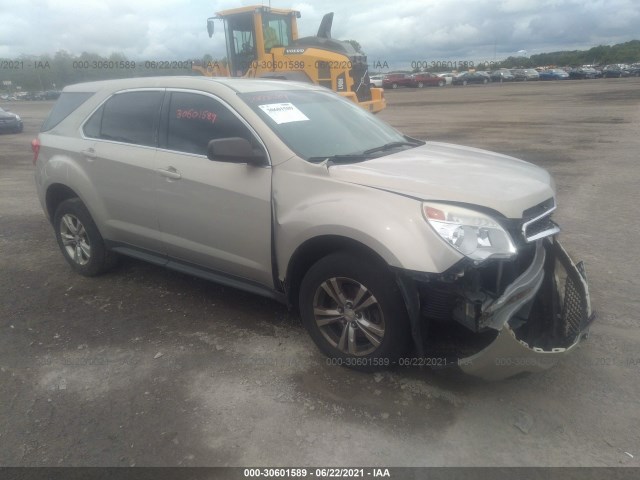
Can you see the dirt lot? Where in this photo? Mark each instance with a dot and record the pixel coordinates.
(149, 367)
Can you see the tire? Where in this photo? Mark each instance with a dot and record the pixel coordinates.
(79, 239)
(441, 83)
(394, 85)
(464, 83)
(485, 81)
(370, 328)
(420, 85)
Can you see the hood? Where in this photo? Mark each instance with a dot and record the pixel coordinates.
(451, 173)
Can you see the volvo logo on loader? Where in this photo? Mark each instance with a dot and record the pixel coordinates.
(294, 51)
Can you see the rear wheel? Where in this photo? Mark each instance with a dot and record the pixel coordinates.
(354, 312)
(485, 81)
(420, 84)
(79, 239)
(394, 85)
(441, 83)
(464, 83)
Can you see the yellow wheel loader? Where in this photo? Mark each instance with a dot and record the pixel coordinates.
(262, 42)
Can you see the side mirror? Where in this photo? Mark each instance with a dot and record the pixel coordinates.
(210, 26)
(235, 150)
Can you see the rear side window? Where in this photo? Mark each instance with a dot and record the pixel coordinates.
(195, 119)
(66, 104)
(130, 117)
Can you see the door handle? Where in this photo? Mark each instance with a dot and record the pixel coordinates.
(90, 153)
(170, 172)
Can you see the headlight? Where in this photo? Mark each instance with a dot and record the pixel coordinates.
(472, 233)
(18, 118)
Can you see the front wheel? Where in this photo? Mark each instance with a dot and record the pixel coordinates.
(79, 239)
(394, 85)
(441, 83)
(485, 81)
(354, 312)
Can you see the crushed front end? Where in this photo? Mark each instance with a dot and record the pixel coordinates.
(500, 317)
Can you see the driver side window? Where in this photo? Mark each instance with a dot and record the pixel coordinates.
(194, 120)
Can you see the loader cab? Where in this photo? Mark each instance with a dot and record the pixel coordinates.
(252, 32)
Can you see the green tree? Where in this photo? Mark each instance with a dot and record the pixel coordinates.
(356, 46)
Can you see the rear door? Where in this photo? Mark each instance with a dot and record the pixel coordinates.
(212, 214)
(123, 138)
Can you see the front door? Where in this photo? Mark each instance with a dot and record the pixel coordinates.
(212, 214)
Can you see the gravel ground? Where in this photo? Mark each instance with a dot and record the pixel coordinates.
(144, 366)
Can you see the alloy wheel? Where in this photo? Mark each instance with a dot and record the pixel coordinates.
(349, 316)
(75, 239)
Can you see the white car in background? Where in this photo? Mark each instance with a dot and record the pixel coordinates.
(448, 77)
(376, 80)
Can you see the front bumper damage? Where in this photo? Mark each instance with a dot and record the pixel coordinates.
(539, 317)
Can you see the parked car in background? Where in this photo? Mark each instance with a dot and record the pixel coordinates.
(525, 74)
(426, 79)
(614, 71)
(395, 80)
(502, 75)
(33, 96)
(447, 76)
(293, 192)
(554, 74)
(376, 80)
(10, 122)
(51, 95)
(583, 73)
(466, 78)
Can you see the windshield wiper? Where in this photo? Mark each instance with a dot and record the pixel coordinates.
(411, 142)
(345, 158)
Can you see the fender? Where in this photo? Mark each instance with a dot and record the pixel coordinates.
(308, 203)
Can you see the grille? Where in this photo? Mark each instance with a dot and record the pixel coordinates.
(538, 227)
(573, 309)
(540, 209)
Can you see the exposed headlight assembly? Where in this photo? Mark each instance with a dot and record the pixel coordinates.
(472, 233)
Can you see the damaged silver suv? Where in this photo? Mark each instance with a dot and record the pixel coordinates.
(394, 250)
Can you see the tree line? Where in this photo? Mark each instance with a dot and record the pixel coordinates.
(628, 52)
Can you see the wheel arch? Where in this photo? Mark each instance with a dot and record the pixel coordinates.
(313, 250)
(56, 194)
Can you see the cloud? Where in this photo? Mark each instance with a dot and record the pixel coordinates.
(391, 31)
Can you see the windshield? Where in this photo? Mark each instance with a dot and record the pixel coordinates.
(318, 125)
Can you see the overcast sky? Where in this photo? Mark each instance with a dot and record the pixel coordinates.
(396, 32)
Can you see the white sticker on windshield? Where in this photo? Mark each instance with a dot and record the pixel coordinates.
(283, 112)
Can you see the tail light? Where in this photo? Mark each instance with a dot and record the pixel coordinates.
(35, 148)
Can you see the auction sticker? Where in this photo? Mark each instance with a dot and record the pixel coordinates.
(283, 112)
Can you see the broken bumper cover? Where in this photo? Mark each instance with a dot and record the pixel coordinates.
(550, 299)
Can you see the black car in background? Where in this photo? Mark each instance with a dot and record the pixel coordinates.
(10, 122)
(525, 74)
(584, 73)
(466, 78)
(51, 95)
(502, 75)
(614, 71)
